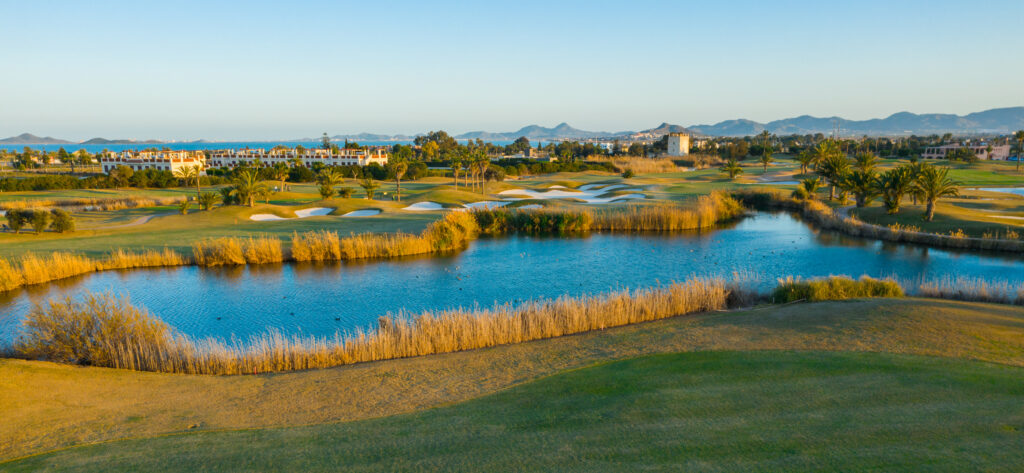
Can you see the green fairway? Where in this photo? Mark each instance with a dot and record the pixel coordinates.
(710, 411)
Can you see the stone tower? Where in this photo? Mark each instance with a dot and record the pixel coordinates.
(678, 144)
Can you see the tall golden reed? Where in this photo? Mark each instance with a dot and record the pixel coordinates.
(145, 343)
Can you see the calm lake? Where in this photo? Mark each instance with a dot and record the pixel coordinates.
(323, 299)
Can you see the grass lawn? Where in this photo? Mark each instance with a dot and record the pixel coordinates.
(46, 406)
(705, 411)
(975, 212)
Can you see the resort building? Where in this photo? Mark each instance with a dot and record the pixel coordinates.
(339, 157)
(159, 160)
(999, 152)
(678, 144)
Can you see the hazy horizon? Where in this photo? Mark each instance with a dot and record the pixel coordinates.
(228, 71)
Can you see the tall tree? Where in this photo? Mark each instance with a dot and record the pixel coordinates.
(865, 161)
(398, 170)
(932, 184)
(834, 169)
(893, 185)
(1020, 147)
(248, 186)
(190, 173)
(732, 168)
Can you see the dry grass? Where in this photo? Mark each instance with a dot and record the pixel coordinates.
(219, 252)
(708, 211)
(262, 250)
(641, 165)
(834, 288)
(121, 259)
(115, 334)
(972, 290)
(452, 231)
(114, 203)
(824, 217)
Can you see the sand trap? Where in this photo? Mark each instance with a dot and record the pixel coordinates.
(313, 212)
(588, 195)
(362, 213)
(265, 217)
(310, 212)
(486, 204)
(530, 207)
(424, 207)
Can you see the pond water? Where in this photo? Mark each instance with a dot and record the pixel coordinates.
(323, 299)
(1006, 190)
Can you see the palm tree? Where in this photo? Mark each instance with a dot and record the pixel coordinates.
(188, 173)
(369, 186)
(207, 199)
(811, 185)
(806, 158)
(280, 172)
(863, 185)
(732, 168)
(227, 195)
(1020, 147)
(834, 168)
(329, 178)
(248, 187)
(932, 184)
(865, 161)
(766, 157)
(893, 185)
(456, 167)
(399, 169)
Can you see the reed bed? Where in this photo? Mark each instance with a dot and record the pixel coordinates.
(641, 165)
(121, 259)
(834, 288)
(105, 331)
(229, 251)
(971, 289)
(452, 231)
(114, 203)
(707, 212)
(825, 217)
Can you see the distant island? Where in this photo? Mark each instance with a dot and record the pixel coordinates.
(994, 121)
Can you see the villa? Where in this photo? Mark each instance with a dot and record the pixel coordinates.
(339, 157)
(999, 152)
(160, 160)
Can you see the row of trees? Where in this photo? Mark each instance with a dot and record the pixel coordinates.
(39, 220)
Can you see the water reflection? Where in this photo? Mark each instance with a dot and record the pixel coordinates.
(322, 298)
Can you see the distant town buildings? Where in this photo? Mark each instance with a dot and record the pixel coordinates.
(678, 144)
(999, 152)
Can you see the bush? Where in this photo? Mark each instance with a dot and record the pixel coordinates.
(834, 288)
(97, 331)
(40, 220)
(800, 193)
(628, 174)
(345, 192)
(16, 219)
(63, 222)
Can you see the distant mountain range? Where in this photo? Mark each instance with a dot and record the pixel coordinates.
(999, 120)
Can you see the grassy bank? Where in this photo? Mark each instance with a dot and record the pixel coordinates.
(823, 216)
(711, 411)
(112, 404)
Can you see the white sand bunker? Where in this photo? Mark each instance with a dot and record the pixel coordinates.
(310, 212)
(424, 207)
(486, 204)
(589, 194)
(313, 212)
(362, 213)
(530, 207)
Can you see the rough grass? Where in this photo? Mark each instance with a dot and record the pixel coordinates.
(114, 203)
(731, 411)
(112, 404)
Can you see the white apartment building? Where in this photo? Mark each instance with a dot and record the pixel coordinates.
(159, 160)
(999, 152)
(342, 157)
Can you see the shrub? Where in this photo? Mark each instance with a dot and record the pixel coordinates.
(345, 192)
(40, 220)
(100, 330)
(800, 193)
(16, 219)
(628, 173)
(63, 222)
(834, 288)
(261, 250)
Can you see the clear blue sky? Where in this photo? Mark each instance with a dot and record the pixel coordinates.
(249, 70)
